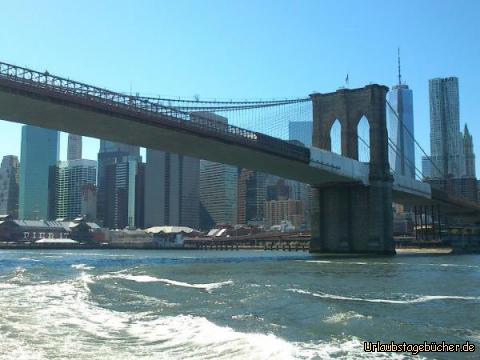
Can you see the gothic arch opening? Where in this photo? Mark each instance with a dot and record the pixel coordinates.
(336, 137)
(363, 136)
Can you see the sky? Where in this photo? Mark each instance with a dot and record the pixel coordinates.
(247, 49)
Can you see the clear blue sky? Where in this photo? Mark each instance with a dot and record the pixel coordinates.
(247, 49)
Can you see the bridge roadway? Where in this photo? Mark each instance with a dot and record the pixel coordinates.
(43, 100)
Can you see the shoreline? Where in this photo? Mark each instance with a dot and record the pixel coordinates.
(399, 251)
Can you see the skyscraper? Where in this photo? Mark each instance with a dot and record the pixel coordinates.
(67, 183)
(111, 153)
(39, 151)
(9, 186)
(301, 131)
(172, 186)
(218, 182)
(124, 193)
(401, 129)
(426, 167)
(469, 154)
(74, 151)
(446, 141)
(218, 192)
(251, 196)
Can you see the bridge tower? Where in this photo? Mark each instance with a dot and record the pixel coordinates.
(353, 218)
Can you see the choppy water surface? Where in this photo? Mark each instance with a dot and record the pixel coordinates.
(230, 305)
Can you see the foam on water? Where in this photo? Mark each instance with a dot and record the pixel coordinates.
(28, 259)
(150, 279)
(344, 317)
(82, 267)
(7, 286)
(59, 320)
(413, 300)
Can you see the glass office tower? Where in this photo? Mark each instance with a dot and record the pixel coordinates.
(40, 150)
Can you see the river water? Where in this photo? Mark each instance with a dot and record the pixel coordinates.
(113, 304)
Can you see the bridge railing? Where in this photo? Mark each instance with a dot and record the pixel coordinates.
(55, 85)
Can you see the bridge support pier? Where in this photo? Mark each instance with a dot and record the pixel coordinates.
(346, 217)
(353, 219)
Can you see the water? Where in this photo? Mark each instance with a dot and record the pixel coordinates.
(230, 305)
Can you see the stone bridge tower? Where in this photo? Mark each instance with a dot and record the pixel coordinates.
(352, 217)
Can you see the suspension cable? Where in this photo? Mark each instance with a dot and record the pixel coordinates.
(415, 140)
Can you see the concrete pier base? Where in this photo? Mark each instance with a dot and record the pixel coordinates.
(353, 219)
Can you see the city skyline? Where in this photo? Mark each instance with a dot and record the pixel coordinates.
(423, 56)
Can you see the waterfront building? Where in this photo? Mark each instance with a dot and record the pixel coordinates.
(251, 197)
(34, 230)
(172, 190)
(67, 183)
(469, 153)
(111, 153)
(446, 140)
(9, 186)
(39, 151)
(74, 151)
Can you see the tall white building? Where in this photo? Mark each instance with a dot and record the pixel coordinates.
(401, 130)
(172, 185)
(446, 140)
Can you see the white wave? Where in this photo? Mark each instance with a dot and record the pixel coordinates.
(59, 320)
(344, 317)
(7, 286)
(247, 317)
(82, 267)
(414, 300)
(27, 259)
(150, 279)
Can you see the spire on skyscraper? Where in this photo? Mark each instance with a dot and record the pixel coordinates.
(399, 69)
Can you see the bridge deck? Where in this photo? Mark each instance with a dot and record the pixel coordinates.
(40, 99)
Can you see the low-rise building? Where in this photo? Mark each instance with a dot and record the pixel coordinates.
(170, 236)
(12, 230)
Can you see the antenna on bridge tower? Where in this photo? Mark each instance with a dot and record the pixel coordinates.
(399, 69)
